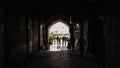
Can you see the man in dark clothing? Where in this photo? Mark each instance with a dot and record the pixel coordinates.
(72, 42)
(81, 43)
(58, 40)
(63, 40)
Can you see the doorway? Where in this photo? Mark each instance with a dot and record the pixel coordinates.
(58, 36)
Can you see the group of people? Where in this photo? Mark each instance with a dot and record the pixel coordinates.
(81, 44)
(58, 39)
(71, 43)
(62, 39)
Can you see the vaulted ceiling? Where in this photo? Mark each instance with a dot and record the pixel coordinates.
(49, 8)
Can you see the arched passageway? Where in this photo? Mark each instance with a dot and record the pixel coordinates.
(19, 32)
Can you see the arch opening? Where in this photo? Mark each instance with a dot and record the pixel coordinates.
(58, 35)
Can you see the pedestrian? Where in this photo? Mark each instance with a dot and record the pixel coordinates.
(81, 43)
(63, 40)
(72, 42)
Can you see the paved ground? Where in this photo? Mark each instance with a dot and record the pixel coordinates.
(59, 59)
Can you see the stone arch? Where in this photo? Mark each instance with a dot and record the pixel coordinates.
(51, 17)
(56, 21)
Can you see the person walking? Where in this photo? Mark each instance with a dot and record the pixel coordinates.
(72, 42)
(63, 40)
(81, 43)
(57, 39)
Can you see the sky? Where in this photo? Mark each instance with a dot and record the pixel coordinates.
(60, 28)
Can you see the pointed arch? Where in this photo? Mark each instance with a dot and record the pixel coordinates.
(62, 24)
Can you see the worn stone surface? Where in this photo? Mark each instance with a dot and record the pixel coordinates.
(59, 59)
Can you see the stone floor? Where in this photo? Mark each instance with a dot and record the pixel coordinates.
(59, 59)
(58, 56)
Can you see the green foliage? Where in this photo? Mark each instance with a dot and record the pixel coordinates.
(51, 38)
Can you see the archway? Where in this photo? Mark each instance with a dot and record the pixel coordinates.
(58, 34)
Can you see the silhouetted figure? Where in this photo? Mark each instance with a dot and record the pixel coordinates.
(66, 40)
(68, 45)
(58, 40)
(63, 40)
(81, 43)
(72, 42)
(54, 39)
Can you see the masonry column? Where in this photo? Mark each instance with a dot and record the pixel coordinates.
(35, 33)
(96, 46)
(113, 38)
(1, 36)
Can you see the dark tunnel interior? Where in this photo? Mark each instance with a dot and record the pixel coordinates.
(86, 34)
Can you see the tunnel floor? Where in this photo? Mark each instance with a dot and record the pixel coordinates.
(59, 59)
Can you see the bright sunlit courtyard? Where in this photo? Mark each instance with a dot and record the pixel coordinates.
(58, 36)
